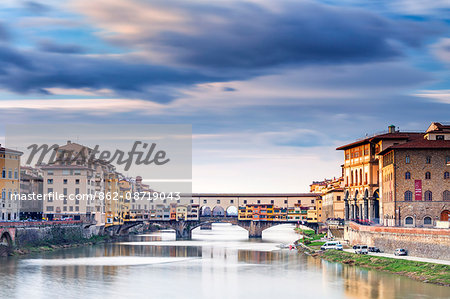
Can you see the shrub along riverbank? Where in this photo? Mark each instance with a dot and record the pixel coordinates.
(50, 245)
(425, 272)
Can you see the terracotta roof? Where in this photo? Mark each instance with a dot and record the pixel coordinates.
(419, 144)
(438, 127)
(396, 135)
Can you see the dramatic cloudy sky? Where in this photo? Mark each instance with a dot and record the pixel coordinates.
(271, 88)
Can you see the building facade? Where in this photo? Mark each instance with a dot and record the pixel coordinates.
(398, 178)
(31, 182)
(9, 184)
(361, 173)
(416, 180)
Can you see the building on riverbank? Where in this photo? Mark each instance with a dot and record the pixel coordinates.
(398, 178)
(416, 181)
(9, 183)
(31, 182)
(74, 185)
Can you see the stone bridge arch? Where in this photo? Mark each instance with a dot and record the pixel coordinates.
(183, 229)
(7, 236)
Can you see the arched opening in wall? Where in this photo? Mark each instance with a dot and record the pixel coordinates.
(232, 211)
(366, 194)
(409, 221)
(218, 211)
(205, 211)
(6, 239)
(427, 220)
(346, 195)
(376, 206)
(445, 215)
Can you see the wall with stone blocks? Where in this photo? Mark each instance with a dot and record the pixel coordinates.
(422, 242)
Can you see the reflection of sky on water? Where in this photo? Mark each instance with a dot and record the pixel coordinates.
(154, 265)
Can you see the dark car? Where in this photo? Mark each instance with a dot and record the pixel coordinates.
(374, 249)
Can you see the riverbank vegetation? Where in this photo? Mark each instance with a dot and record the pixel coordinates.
(426, 272)
(50, 245)
(310, 238)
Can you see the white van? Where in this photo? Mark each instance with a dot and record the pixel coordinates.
(331, 245)
(361, 249)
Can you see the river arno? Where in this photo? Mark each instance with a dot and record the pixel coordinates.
(217, 264)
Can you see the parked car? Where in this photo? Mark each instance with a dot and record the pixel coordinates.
(339, 247)
(374, 249)
(331, 245)
(361, 249)
(400, 251)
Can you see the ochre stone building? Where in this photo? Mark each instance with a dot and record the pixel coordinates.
(399, 178)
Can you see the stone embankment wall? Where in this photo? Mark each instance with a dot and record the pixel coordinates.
(54, 235)
(422, 242)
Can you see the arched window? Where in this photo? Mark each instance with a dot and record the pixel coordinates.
(4, 173)
(446, 175)
(16, 174)
(407, 175)
(428, 195)
(407, 159)
(409, 220)
(360, 177)
(428, 160)
(408, 196)
(428, 175)
(427, 221)
(446, 195)
(3, 194)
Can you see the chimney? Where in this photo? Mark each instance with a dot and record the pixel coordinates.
(69, 142)
(391, 129)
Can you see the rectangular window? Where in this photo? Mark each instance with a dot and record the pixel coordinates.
(218, 201)
(65, 209)
(77, 172)
(65, 191)
(65, 181)
(439, 137)
(50, 172)
(66, 172)
(49, 208)
(77, 191)
(49, 181)
(77, 181)
(71, 208)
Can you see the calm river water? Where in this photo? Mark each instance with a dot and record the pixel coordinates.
(217, 263)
